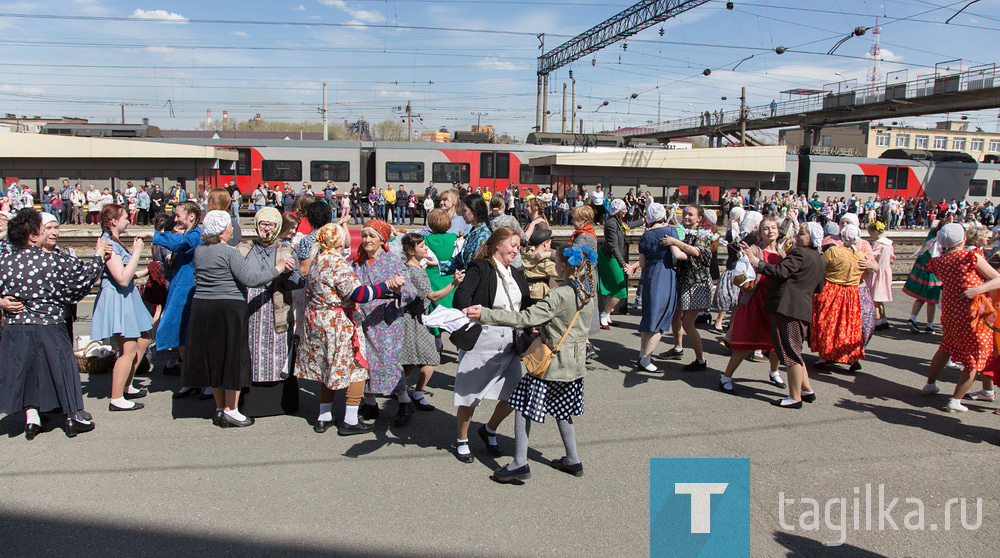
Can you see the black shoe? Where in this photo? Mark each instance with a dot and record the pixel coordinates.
(855, 367)
(731, 389)
(929, 330)
(423, 405)
(184, 392)
(73, 427)
(403, 415)
(172, 371)
(914, 328)
(776, 383)
(136, 407)
(591, 353)
(696, 366)
(230, 422)
(777, 403)
(368, 412)
(217, 418)
(494, 449)
(144, 367)
(322, 426)
(143, 392)
(641, 368)
(809, 397)
(674, 354)
(576, 469)
(504, 475)
(464, 458)
(31, 430)
(344, 429)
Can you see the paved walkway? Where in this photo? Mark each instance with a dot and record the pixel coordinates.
(164, 482)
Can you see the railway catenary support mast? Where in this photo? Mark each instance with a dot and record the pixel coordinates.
(564, 109)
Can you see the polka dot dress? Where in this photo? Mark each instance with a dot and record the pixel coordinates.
(536, 398)
(967, 343)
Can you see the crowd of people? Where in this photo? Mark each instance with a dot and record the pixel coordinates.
(363, 310)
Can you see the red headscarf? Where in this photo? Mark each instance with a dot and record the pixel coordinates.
(384, 230)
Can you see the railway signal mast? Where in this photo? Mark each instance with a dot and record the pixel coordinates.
(875, 52)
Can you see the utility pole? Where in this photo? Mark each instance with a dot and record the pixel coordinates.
(123, 114)
(743, 116)
(538, 99)
(572, 121)
(326, 123)
(545, 104)
(564, 109)
(409, 121)
(479, 118)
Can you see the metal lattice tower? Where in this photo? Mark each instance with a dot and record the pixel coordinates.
(873, 72)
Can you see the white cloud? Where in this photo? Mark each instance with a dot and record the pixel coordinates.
(158, 15)
(21, 90)
(357, 14)
(395, 94)
(243, 34)
(887, 55)
(299, 8)
(491, 63)
(159, 49)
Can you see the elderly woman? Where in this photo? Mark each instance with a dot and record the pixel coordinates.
(218, 353)
(836, 334)
(382, 321)
(39, 371)
(612, 260)
(273, 390)
(489, 369)
(868, 265)
(694, 283)
(562, 317)
(332, 351)
(658, 281)
(727, 294)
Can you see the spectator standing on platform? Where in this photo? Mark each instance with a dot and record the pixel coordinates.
(66, 215)
(401, 200)
(93, 205)
(597, 201)
(79, 199)
(389, 207)
(156, 199)
(142, 204)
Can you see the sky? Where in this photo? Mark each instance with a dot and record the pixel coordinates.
(457, 61)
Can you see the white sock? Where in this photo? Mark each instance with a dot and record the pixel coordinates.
(370, 400)
(325, 412)
(351, 415)
(988, 392)
(418, 396)
(776, 375)
(930, 324)
(788, 401)
(122, 403)
(913, 317)
(725, 379)
(130, 389)
(804, 392)
(76, 417)
(438, 343)
(235, 414)
(462, 446)
(491, 435)
(605, 318)
(33, 417)
(403, 397)
(206, 391)
(646, 363)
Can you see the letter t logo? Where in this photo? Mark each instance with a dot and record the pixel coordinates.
(701, 502)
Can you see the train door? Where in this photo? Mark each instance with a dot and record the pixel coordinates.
(494, 171)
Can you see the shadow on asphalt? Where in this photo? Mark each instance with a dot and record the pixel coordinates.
(802, 547)
(936, 421)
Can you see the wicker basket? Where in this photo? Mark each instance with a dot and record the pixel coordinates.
(92, 364)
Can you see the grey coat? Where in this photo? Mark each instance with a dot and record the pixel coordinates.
(553, 313)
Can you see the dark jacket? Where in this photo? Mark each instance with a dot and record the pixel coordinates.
(614, 240)
(481, 283)
(794, 280)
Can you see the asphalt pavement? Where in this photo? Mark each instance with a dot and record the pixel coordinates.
(164, 482)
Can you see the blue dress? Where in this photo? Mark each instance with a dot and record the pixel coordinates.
(659, 286)
(119, 310)
(172, 330)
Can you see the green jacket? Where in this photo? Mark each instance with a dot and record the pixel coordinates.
(554, 313)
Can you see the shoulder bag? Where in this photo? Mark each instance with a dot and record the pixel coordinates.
(538, 357)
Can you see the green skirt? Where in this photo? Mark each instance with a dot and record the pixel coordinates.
(613, 281)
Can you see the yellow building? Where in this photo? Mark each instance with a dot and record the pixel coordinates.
(439, 136)
(871, 140)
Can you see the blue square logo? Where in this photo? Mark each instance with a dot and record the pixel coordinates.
(699, 508)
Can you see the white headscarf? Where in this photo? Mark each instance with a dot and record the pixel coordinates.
(950, 235)
(48, 218)
(750, 222)
(831, 229)
(815, 233)
(850, 218)
(711, 216)
(735, 217)
(216, 222)
(616, 206)
(850, 235)
(655, 212)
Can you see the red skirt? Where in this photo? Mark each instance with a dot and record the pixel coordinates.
(835, 332)
(751, 324)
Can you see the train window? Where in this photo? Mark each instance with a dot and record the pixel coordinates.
(978, 187)
(896, 178)
(864, 183)
(996, 188)
(243, 164)
(494, 165)
(503, 165)
(450, 172)
(528, 176)
(830, 182)
(284, 171)
(337, 171)
(485, 165)
(396, 171)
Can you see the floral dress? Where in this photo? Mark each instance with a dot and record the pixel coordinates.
(382, 323)
(694, 280)
(332, 351)
(965, 337)
(475, 239)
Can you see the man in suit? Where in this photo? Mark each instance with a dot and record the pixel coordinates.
(794, 281)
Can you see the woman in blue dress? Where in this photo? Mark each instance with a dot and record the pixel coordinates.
(659, 292)
(172, 331)
(119, 312)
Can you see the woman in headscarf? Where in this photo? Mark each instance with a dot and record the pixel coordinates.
(382, 321)
(694, 283)
(657, 283)
(218, 344)
(921, 284)
(795, 280)
(333, 351)
(498, 218)
(272, 391)
(836, 333)
(868, 265)
(612, 259)
(584, 235)
(727, 294)
(965, 335)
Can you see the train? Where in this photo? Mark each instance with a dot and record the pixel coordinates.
(496, 167)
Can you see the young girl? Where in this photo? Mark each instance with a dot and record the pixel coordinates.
(419, 349)
(880, 280)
